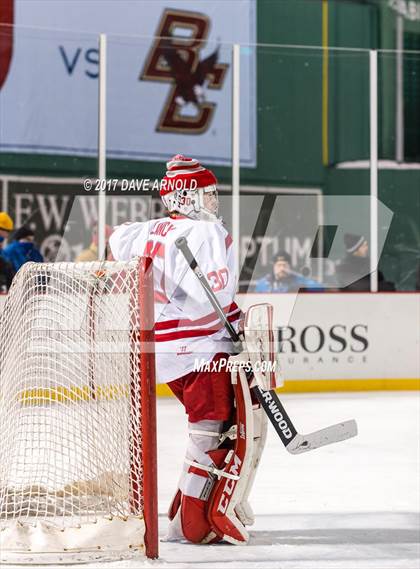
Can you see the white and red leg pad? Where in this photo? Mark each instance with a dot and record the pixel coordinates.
(188, 510)
(194, 505)
(243, 508)
(229, 492)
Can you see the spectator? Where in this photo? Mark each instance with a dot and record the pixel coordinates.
(22, 248)
(6, 226)
(6, 269)
(353, 273)
(283, 279)
(91, 253)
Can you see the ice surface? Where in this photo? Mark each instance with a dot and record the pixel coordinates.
(353, 505)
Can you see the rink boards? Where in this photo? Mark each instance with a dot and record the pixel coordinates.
(349, 342)
(346, 342)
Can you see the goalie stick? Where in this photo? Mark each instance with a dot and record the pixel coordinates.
(294, 442)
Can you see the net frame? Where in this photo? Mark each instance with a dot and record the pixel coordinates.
(142, 486)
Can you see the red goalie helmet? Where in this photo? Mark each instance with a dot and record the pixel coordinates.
(190, 189)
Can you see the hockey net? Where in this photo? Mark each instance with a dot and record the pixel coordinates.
(78, 413)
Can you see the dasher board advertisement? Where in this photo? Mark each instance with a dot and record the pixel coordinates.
(163, 96)
(355, 337)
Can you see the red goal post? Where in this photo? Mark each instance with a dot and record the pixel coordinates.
(148, 393)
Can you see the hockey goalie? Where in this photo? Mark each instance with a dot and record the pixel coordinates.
(194, 355)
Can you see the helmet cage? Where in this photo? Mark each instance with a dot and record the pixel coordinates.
(192, 203)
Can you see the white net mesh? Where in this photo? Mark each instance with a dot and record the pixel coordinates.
(70, 398)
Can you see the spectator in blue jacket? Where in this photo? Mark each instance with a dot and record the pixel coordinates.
(283, 279)
(22, 249)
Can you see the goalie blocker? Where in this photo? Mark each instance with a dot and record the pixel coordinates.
(212, 501)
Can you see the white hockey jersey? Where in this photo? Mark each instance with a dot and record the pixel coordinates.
(187, 329)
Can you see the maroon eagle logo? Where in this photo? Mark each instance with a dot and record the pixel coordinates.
(175, 59)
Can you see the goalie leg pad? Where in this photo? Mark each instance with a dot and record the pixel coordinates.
(188, 510)
(259, 342)
(203, 438)
(229, 492)
(194, 505)
(243, 509)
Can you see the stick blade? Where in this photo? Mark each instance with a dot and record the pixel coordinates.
(329, 435)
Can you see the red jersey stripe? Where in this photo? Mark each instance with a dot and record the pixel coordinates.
(169, 336)
(199, 322)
